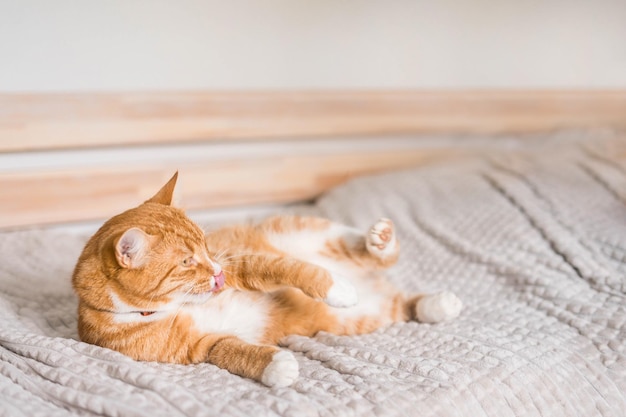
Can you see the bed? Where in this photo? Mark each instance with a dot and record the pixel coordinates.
(531, 238)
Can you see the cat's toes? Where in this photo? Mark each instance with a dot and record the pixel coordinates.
(438, 307)
(381, 238)
(342, 293)
(281, 371)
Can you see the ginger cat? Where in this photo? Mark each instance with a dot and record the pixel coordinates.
(152, 286)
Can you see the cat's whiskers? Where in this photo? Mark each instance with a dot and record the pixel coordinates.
(230, 267)
(151, 300)
(234, 256)
(231, 256)
(230, 262)
(216, 257)
(219, 254)
(227, 271)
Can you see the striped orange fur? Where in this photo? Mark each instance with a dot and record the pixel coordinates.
(153, 286)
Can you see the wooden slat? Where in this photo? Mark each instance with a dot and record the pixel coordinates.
(78, 194)
(59, 121)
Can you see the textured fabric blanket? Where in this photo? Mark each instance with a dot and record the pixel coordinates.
(534, 243)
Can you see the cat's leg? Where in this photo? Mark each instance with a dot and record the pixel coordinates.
(267, 364)
(433, 308)
(382, 244)
(318, 240)
(377, 248)
(264, 272)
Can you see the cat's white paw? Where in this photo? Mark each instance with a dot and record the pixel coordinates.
(381, 238)
(281, 371)
(342, 293)
(438, 307)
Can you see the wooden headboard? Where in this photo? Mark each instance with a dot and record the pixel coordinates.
(75, 157)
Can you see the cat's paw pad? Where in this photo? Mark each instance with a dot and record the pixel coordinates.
(281, 371)
(342, 293)
(381, 238)
(438, 307)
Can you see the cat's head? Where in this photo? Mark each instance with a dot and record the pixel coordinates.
(146, 258)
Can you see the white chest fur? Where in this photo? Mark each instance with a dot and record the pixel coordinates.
(233, 312)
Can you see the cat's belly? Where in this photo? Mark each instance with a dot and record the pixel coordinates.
(374, 298)
(243, 314)
(371, 303)
(373, 291)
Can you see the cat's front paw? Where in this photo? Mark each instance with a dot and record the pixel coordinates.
(439, 307)
(281, 371)
(342, 293)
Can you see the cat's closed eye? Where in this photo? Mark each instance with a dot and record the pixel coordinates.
(189, 262)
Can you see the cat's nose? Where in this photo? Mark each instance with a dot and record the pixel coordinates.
(217, 268)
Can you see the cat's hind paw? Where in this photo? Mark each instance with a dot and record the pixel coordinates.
(381, 238)
(439, 307)
(282, 371)
(342, 293)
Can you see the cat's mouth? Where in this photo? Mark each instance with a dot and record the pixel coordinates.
(213, 287)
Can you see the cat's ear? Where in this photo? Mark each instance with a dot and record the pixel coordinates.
(166, 193)
(132, 247)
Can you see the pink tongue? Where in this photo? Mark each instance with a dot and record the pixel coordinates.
(219, 281)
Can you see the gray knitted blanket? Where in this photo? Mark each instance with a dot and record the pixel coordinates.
(534, 243)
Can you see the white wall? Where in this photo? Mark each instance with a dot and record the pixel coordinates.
(80, 45)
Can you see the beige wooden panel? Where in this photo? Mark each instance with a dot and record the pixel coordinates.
(62, 195)
(55, 121)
